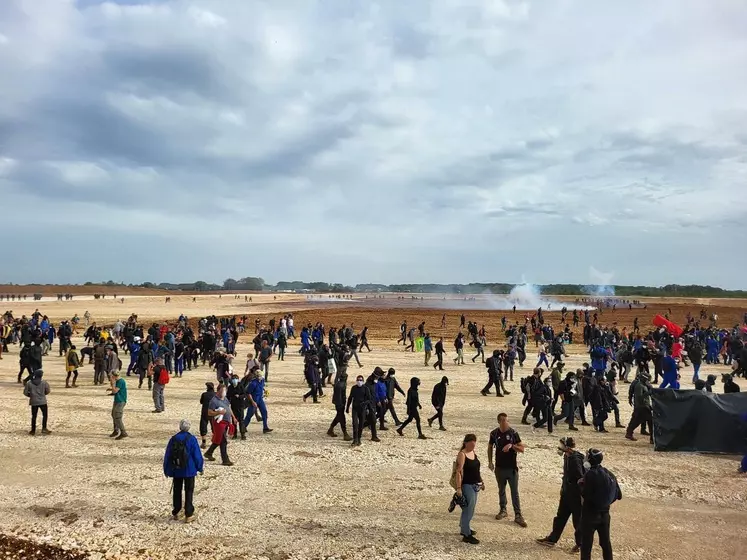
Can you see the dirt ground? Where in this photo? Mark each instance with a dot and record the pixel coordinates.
(297, 493)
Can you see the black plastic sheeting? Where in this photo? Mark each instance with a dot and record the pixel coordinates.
(696, 421)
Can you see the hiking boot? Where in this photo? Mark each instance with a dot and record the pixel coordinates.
(209, 457)
(267, 431)
(121, 436)
(519, 520)
(227, 464)
(46, 432)
(399, 432)
(545, 541)
(442, 428)
(572, 428)
(331, 433)
(502, 514)
(346, 437)
(375, 439)
(115, 433)
(422, 436)
(190, 518)
(469, 539)
(631, 437)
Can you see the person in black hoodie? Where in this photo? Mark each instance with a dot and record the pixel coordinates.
(391, 386)
(205, 399)
(570, 495)
(494, 364)
(438, 400)
(339, 395)
(413, 406)
(237, 397)
(439, 365)
(313, 378)
(360, 398)
(542, 403)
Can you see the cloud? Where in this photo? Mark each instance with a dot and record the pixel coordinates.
(204, 133)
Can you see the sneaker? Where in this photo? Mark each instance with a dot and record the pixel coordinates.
(190, 518)
(631, 437)
(209, 457)
(519, 520)
(115, 433)
(422, 436)
(469, 539)
(227, 464)
(175, 516)
(546, 542)
(331, 433)
(502, 514)
(375, 440)
(121, 436)
(573, 428)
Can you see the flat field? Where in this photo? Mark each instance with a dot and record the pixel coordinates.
(297, 493)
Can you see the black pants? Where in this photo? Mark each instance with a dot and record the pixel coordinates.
(569, 506)
(492, 382)
(314, 390)
(238, 411)
(34, 411)
(438, 416)
(340, 419)
(390, 408)
(359, 418)
(595, 523)
(20, 373)
(439, 362)
(142, 374)
(544, 416)
(189, 489)
(204, 423)
(364, 342)
(74, 373)
(527, 411)
(223, 448)
(414, 415)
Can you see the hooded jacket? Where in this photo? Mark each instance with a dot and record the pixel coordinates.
(195, 462)
(36, 389)
(413, 399)
(339, 394)
(438, 397)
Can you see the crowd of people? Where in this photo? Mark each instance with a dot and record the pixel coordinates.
(160, 352)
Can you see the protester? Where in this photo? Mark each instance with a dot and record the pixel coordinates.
(505, 443)
(599, 490)
(182, 461)
(223, 422)
(438, 400)
(413, 409)
(119, 392)
(205, 399)
(468, 483)
(37, 389)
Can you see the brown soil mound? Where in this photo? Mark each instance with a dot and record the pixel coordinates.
(19, 549)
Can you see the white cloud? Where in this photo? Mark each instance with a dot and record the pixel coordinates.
(404, 127)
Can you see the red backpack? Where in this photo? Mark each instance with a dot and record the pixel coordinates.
(163, 376)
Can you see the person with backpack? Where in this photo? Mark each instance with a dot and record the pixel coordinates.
(438, 400)
(599, 490)
(182, 461)
(494, 366)
(467, 483)
(160, 376)
(570, 495)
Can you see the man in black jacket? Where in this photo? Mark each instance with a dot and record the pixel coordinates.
(570, 495)
(339, 395)
(438, 400)
(360, 398)
(494, 364)
(391, 386)
(413, 408)
(439, 365)
(599, 490)
(237, 397)
(205, 399)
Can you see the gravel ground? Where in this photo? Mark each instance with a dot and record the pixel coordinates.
(297, 493)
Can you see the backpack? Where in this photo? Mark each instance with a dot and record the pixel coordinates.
(163, 376)
(611, 492)
(178, 457)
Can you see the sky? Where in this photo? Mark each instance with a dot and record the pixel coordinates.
(388, 142)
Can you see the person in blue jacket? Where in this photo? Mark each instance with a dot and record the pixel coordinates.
(255, 390)
(669, 373)
(134, 354)
(381, 400)
(599, 359)
(182, 461)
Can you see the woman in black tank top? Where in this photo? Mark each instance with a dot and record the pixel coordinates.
(468, 484)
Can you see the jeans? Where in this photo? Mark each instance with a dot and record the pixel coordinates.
(158, 402)
(34, 411)
(469, 491)
(510, 477)
(696, 369)
(179, 366)
(189, 489)
(543, 360)
(262, 410)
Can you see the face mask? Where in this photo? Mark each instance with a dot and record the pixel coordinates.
(359, 383)
(587, 465)
(561, 452)
(234, 382)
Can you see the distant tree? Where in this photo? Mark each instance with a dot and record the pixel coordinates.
(200, 286)
(230, 284)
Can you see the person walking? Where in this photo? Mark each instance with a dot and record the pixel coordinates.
(427, 348)
(599, 491)
(468, 484)
(439, 365)
(182, 461)
(205, 399)
(72, 363)
(438, 400)
(37, 389)
(339, 396)
(570, 495)
(223, 422)
(505, 442)
(255, 392)
(119, 392)
(413, 407)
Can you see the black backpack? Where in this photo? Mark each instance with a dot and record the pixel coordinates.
(611, 492)
(178, 457)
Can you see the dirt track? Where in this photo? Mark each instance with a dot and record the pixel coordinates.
(297, 493)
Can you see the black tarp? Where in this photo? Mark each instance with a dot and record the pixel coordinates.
(697, 421)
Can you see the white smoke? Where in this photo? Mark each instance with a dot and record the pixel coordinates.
(601, 285)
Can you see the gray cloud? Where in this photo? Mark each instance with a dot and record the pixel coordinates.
(218, 127)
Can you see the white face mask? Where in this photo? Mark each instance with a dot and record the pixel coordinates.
(587, 465)
(234, 382)
(359, 383)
